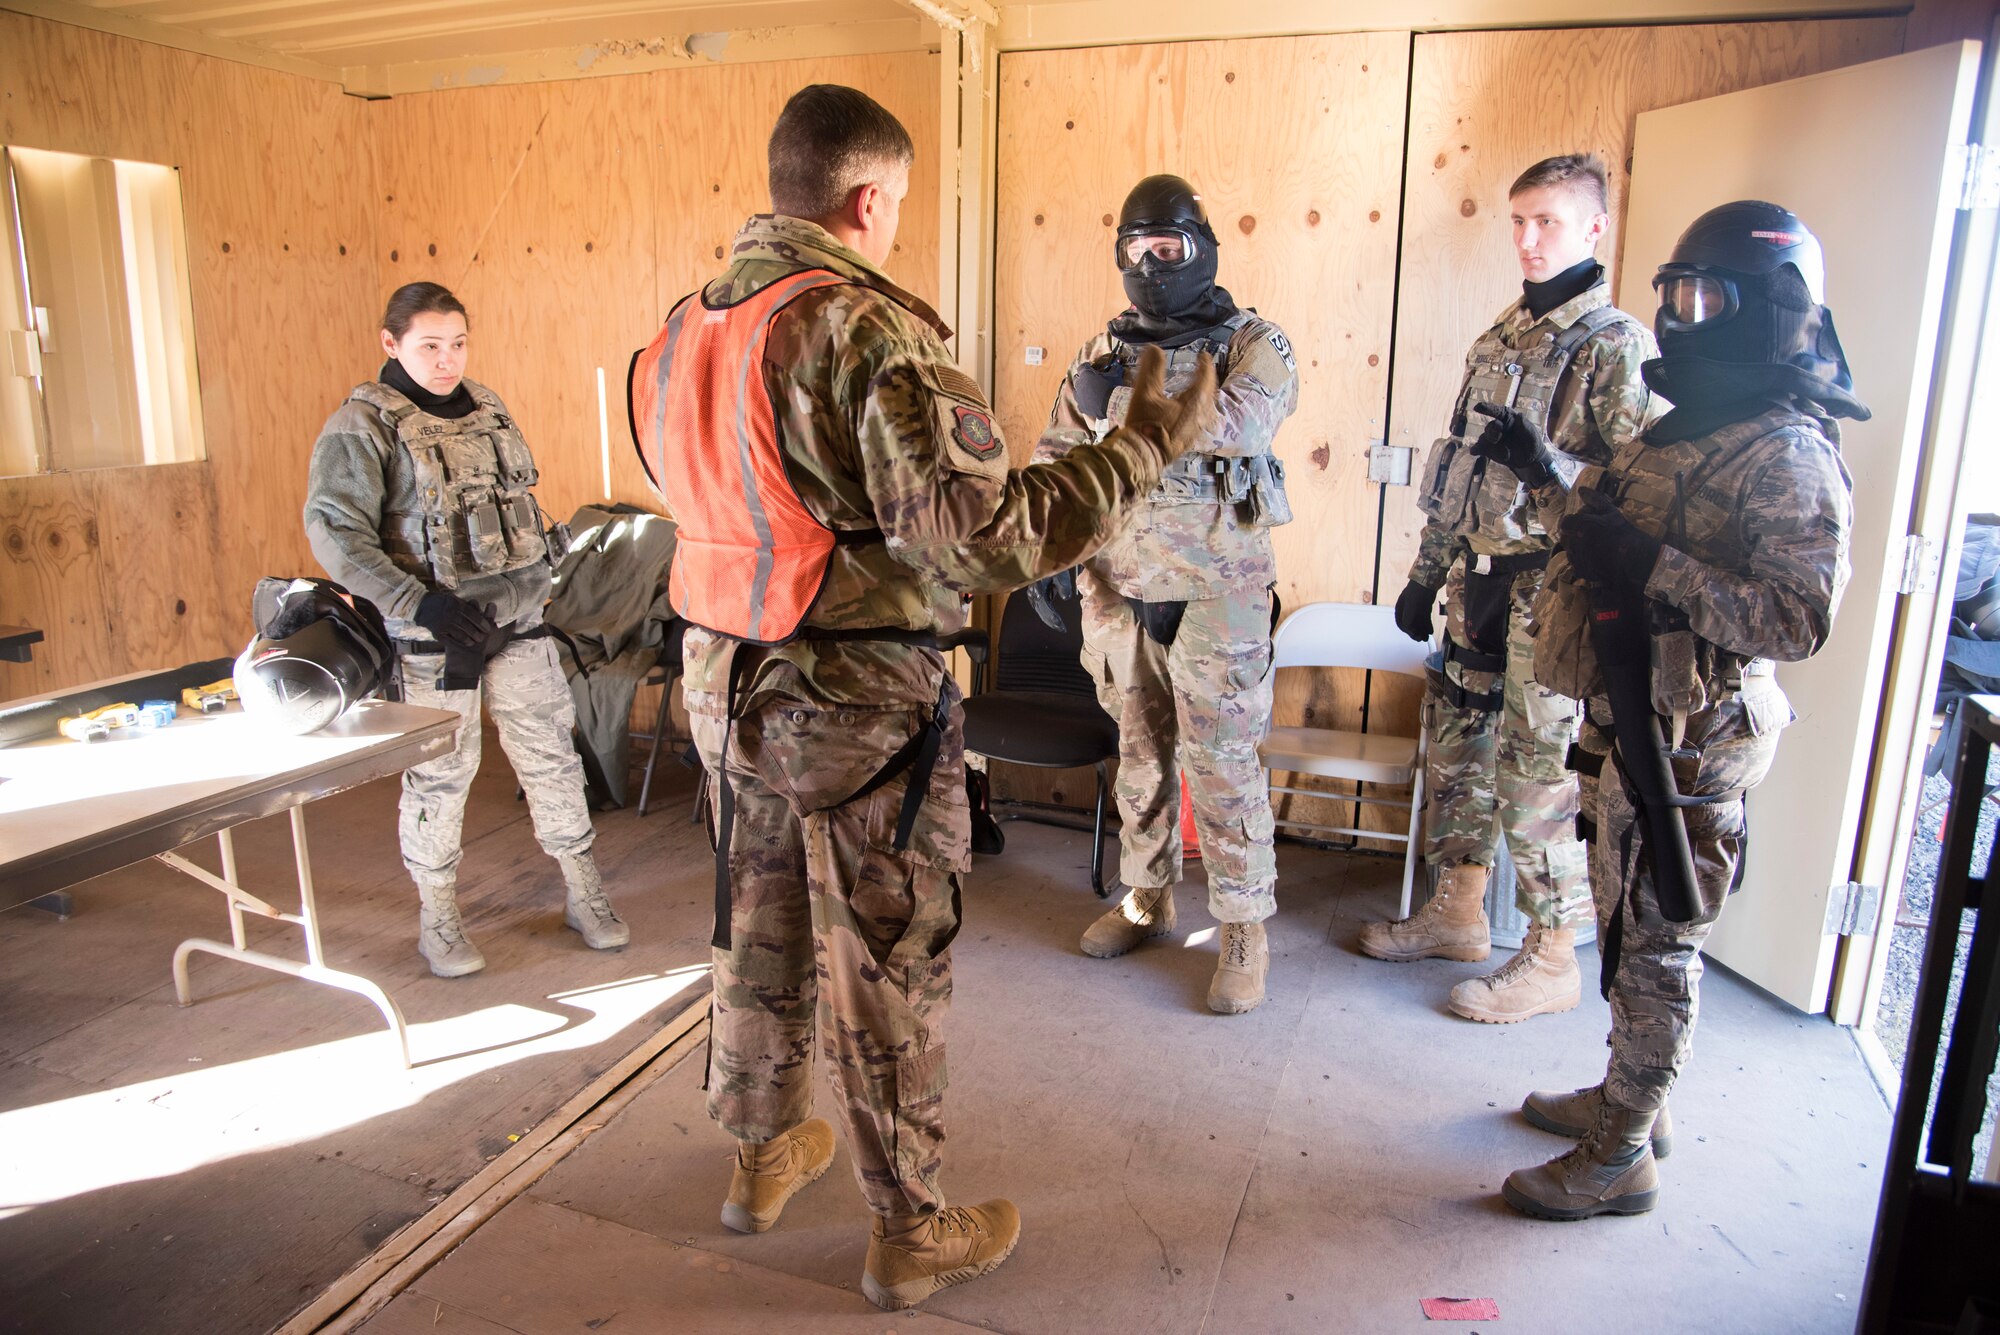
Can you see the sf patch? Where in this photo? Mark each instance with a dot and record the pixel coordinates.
(974, 430)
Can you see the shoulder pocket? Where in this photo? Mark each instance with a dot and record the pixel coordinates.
(968, 437)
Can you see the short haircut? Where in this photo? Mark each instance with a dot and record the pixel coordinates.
(1580, 173)
(828, 141)
(410, 300)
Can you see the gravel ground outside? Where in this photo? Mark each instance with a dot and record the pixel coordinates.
(1906, 945)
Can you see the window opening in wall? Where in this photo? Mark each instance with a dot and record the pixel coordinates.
(97, 307)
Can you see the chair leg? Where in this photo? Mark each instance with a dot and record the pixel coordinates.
(653, 756)
(1097, 839)
(1415, 839)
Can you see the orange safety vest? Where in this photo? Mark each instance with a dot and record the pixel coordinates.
(749, 558)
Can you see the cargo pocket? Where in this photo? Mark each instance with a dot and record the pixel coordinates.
(919, 1116)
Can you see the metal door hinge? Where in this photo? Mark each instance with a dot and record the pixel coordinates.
(1978, 170)
(1922, 562)
(1388, 464)
(1851, 909)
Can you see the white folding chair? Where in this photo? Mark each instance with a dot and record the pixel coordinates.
(1350, 635)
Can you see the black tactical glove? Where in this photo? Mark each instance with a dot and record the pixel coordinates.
(1091, 385)
(1607, 548)
(1516, 442)
(1413, 610)
(455, 622)
(1042, 595)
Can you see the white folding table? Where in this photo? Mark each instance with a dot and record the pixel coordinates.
(70, 811)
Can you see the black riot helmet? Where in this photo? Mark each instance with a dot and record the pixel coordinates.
(1746, 284)
(319, 651)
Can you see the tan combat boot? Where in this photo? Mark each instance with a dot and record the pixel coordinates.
(770, 1174)
(585, 908)
(1541, 979)
(441, 936)
(913, 1256)
(1139, 917)
(1610, 1172)
(1574, 1113)
(1245, 963)
(1451, 926)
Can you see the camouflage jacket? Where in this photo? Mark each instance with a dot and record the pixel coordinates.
(1589, 404)
(881, 430)
(1196, 536)
(362, 477)
(1756, 519)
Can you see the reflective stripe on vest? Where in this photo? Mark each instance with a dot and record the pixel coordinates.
(749, 558)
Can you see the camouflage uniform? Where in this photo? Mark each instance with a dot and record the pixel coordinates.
(831, 929)
(1754, 565)
(1574, 372)
(371, 519)
(1203, 703)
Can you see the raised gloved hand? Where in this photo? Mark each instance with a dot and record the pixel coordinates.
(1042, 595)
(455, 622)
(1414, 610)
(1175, 424)
(1517, 442)
(1607, 548)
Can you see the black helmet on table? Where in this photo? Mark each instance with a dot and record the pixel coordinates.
(319, 651)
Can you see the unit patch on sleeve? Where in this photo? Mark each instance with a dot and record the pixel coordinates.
(974, 430)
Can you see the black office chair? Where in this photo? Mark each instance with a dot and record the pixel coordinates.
(1043, 710)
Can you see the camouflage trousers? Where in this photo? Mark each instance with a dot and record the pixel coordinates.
(833, 933)
(1655, 965)
(1201, 706)
(1506, 771)
(523, 688)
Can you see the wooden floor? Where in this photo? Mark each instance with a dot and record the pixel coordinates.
(213, 1169)
(1319, 1165)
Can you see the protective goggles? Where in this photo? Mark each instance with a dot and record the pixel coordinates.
(1691, 298)
(1171, 248)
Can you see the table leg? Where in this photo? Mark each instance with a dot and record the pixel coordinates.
(314, 969)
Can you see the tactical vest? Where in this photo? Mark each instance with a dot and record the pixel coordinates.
(1473, 497)
(749, 558)
(1192, 477)
(1690, 495)
(476, 512)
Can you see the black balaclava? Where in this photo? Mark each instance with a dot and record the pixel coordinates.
(459, 403)
(1568, 285)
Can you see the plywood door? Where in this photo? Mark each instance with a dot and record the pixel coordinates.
(1484, 106)
(1892, 127)
(1295, 144)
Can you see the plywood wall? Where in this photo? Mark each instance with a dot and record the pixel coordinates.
(570, 216)
(131, 567)
(1296, 146)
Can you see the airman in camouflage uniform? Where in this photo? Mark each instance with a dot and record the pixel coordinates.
(833, 930)
(1732, 516)
(1177, 613)
(418, 500)
(1498, 739)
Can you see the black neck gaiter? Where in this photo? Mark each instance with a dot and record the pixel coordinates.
(459, 403)
(1568, 285)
